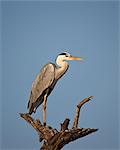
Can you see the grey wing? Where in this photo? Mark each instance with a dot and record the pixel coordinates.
(43, 80)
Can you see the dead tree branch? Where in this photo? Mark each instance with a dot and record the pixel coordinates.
(54, 139)
(76, 119)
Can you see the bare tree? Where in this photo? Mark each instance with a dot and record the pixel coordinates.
(54, 139)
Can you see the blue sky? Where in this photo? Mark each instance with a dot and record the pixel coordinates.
(34, 33)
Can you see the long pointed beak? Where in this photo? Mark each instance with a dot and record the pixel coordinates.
(75, 58)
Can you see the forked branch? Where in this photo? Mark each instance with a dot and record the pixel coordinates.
(54, 139)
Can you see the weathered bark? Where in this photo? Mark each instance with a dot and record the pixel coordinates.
(54, 139)
(75, 123)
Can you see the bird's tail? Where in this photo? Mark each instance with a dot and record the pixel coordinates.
(30, 100)
(31, 109)
(30, 105)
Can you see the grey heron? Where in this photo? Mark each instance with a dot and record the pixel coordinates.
(46, 80)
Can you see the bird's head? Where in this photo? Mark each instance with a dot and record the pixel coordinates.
(66, 56)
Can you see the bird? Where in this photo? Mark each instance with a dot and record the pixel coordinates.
(46, 80)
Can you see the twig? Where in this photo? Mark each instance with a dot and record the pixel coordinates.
(64, 125)
(75, 123)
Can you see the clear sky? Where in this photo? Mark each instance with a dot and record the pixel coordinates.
(34, 33)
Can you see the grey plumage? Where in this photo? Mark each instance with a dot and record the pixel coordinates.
(44, 83)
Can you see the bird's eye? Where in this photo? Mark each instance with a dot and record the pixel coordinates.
(66, 55)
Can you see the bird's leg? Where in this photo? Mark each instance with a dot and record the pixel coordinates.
(44, 110)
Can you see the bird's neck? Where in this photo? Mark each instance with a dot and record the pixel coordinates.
(61, 68)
